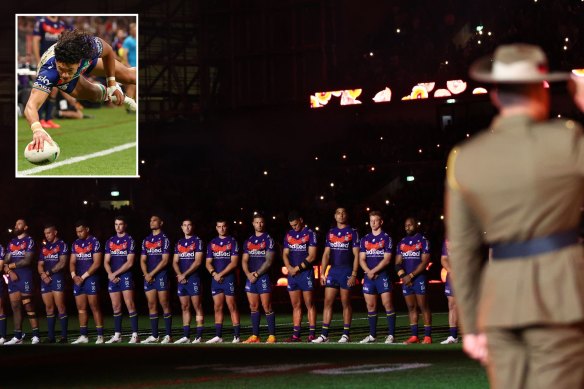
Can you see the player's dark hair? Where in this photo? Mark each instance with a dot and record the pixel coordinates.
(158, 215)
(413, 219)
(221, 220)
(258, 215)
(187, 218)
(50, 225)
(81, 223)
(121, 218)
(73, 46)
(376, 213)
(294, 215)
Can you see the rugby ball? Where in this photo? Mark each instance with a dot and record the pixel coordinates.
(49, 154)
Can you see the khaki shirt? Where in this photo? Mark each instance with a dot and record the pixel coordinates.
(516, 181)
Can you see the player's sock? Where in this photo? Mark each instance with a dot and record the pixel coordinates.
(296, 332)
(219, 330)
(454, 332)
(311, 331)
(18, 334)
(168, 323)
(271, 319)
(346, 329)
(154, 325)
(64, 321)
(187, 331)
(255, 323)
(118, 322)
(99, 330)
(51, 326)
(427, 330)
(236, 329)
(2, 326)
(414, 328)
(325, 329)
(134, 321)
(200, 329)
(83, 330)
(390, 322)
(35, 332)
(372, 318)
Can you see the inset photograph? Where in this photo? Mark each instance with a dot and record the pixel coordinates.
(76, 93)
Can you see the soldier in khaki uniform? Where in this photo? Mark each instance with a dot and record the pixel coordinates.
(518, 187)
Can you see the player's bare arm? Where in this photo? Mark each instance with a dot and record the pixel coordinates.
(285, 257)
(352, 280)
(324, 263)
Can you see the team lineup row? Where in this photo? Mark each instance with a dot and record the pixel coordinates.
(344, 253)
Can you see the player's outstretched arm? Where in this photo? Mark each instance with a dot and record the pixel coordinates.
(31, 113)
(108, 57)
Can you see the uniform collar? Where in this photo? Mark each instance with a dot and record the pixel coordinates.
(511, 123)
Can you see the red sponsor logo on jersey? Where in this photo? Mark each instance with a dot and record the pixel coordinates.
(220, 249)
(153, 245)
(406, 247)
(18, 247)
(374, 246)
(83, 250)
(185, 249)
(256, 246)
(293, 241)
(340, 239)
(53, 30)
(48, 252)
(118, 247)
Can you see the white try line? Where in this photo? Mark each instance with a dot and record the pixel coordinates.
(77, 159)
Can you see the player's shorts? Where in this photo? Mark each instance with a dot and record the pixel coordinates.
(338, 277)
(261, 286)
(381, 284)
(159, 283)
(418, 286)
(227, 287)
(448, 288)
(303, 281)
(23, 285)
(73, 83)
(126, 282)
(90, 286)
(191, 288)
(57, 284)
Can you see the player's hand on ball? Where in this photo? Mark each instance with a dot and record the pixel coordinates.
(39, 137)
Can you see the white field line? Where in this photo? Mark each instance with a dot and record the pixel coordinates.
(73, 160)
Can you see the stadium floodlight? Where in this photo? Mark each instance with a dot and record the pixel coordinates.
(410, 178)
(115, 193)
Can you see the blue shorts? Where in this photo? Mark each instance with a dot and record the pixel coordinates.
(261, 286)
(73, 83)
(159, 283)
(381, 284)
(89, 286)
(418, 286)
(227, 287)
(338, 277)
(57, 284)
(126, 282)
(191, 288)
(303, 281)
(22, 285)
(448, 288)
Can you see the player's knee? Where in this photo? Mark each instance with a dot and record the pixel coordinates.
(267, 308)
(185, 307)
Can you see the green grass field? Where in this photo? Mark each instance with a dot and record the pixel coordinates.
(229, 365)
(109, 127)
